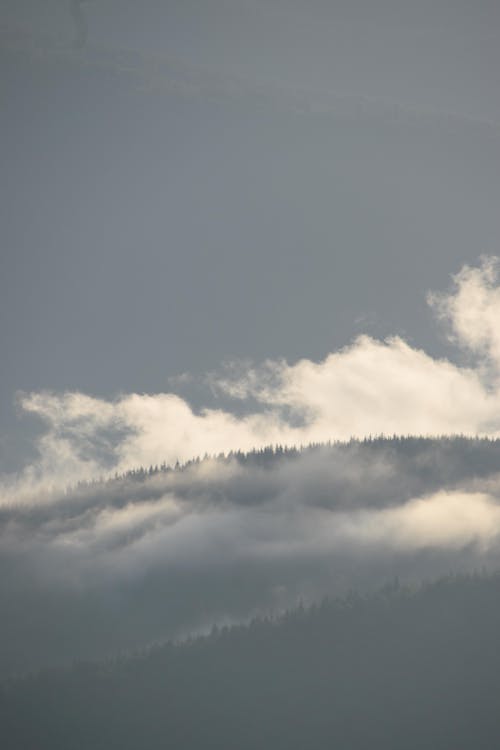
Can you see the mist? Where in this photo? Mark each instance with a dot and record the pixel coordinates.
(166, 553)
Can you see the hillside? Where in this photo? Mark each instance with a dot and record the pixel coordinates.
(396, 669)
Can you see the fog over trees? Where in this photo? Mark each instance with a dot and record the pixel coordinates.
(114, 565)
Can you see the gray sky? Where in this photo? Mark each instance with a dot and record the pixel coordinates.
(212, 180)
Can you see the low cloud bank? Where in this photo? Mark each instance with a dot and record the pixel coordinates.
(117, 564)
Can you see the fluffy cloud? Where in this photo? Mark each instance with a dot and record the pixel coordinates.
(369, 387)
(472, 309)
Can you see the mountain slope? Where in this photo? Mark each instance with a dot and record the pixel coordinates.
(393, 670)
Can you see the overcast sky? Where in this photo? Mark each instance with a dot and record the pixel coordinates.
(190, 183)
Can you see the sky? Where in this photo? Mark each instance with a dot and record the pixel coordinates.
(228, 225)
(189, 185)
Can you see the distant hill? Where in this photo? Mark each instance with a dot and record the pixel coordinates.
(435, 460)
(397, 669)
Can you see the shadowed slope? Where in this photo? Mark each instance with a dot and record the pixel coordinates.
(394, 670)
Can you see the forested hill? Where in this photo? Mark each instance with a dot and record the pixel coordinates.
(447, 457)
(392, 670)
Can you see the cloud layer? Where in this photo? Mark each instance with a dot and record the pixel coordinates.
(117, 564)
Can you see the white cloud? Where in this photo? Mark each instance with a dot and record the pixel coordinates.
(440, 521)
(472, 309)
(369, 387)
